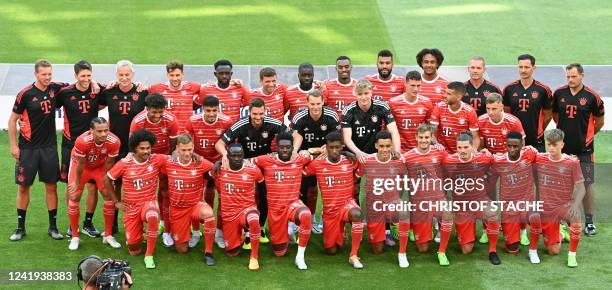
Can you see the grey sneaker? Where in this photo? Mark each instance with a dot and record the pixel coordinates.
(17, 235)
(54, 233)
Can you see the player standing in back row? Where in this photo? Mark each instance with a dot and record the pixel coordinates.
(340, 92)
(579, 112)
(477, 87)
(385, 85)
(433, 85)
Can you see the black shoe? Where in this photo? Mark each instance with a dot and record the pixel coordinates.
(18, 235)
(494, 258)
(91, 231)
(590, 230)
(209, 259)
(54, 233)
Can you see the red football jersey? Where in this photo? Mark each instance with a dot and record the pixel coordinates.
(185, 181)
(385, 90)
(231, 99)
(494, 134)
(139, 180)
(95, 155)
(435, 90)
(375, 169)
(556, 179)
(339, 95)
(475, 169)
(283, 179)
(451, 124)
(516, 177)
(409, 116)
(296, 98)
(206, 135)
(275, 102)
(180, 102)
(164, 130)
(336, 182)
(426, 166)
(237, 190)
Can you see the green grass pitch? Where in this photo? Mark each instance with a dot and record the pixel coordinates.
(291, 32)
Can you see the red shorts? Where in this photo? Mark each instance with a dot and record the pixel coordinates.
(233, 229)
(550, 225)
(96, 174)
(421, 221)
(376, 232)
(134, 218)
(465, 225)
(511, 223)
(278, 220)
(333, 225)
(181, 218)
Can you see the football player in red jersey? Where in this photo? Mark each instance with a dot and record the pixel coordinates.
(495, 125)
(237, 193)
(179, 94)
(139, 173)
(467, 164)
(560, 176)
(385, 84)
(93, 155)
(579, 111)
(433, 85)
(273, 93)
(378, 167)
(515, 171)
(336, 177)
(185, 186)
(164, 126)
(295, 97)
(425, 162)
(206, 129)
(339, 92)
(283, 176)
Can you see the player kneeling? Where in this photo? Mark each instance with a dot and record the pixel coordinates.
(283, 176)
(424, 164)
(186, 184)
(238, 206)
(381, 166)
(559, 176)
(336, 176)
(139, 172)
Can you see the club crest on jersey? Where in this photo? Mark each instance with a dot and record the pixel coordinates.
(183, 93)
(438, 89)
(234, 95)
(420, 110)
(393, 88)
(534, 95)
(374, 119)
(277, 97)
(135, 97)
(336, 93)
(103, 151)
(504, 131)
(486, 93)
(72, 98)
(562, 169)
(200, 132)
(264, 134)
(434, 160)
(344, 167)
(149, 168)
(461, 121)
(219, 132)
(115, 97)
(193, 172)
(583, 101)
(323, 127)
(245, 177)
(164, 130)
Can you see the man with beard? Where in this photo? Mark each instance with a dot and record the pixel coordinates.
(385, 85)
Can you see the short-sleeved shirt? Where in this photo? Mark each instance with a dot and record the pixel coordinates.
(95, 155)
(139, 180)
(37, 110)
(237, 190)
(165, 129)
(231, 99)
(205, 135)
(475, 169)
(365, 124)
(254, 141)
(275, 102)
(451, 124)
(477, 97)
(494, 134)
(426, 166)
(122, 108)
(516, 177)
(409, 116)
(296, 98)
(338, 95)
(312, 131)
(527, 105)
(434, 90)
(283, 179)
(185, 181)
(179, 101)
(79, 108)
(385, 90)
(556, 179)
(336, 182)
(577, 118)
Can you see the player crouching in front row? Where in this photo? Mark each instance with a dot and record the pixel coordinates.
(140, 175)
